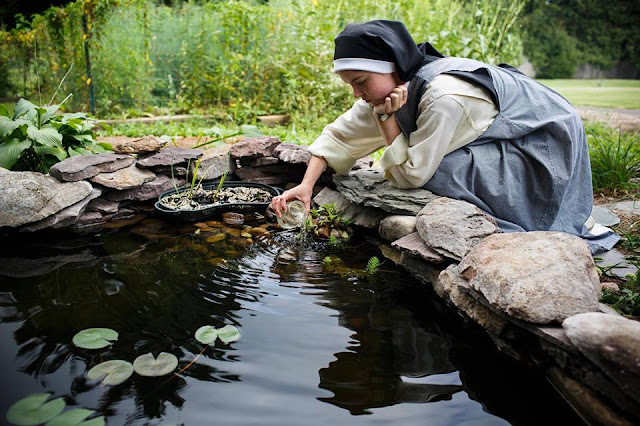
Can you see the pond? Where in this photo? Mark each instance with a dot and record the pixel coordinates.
(322, 341)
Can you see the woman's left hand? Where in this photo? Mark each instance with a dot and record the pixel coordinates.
(394, 101)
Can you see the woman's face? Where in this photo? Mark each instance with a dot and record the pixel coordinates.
(370, 86)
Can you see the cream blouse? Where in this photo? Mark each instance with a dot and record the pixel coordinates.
(452, 113)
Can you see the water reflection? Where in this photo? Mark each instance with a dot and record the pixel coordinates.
(158, 284)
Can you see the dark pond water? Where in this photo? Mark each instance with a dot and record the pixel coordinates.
(322, 342)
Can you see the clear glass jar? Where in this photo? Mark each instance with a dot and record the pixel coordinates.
(295, 215)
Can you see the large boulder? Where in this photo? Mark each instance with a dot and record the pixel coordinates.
(395, 226)
(612, 342)
(453, 227)
(369, 188)
(27, 197)
(127, 178)
(65, 217)
(255, 147)
(170, 157)
(540, 277)
(448, 286)
(367, 217)
(80, 167)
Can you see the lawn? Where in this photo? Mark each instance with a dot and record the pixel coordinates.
(598, 93)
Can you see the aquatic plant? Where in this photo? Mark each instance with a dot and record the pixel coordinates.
(373, 265)
(147, 365)
(76, 417)
(34, 409)
(114, 372)
(324, 222)
(208, 334)
(95, 338)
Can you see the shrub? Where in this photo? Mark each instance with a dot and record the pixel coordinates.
(35, 138)
(615, 159)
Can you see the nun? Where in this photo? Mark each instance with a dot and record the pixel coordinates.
(462, 129)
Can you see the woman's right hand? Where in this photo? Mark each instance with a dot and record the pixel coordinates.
(301, 192)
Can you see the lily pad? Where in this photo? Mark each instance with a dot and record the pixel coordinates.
(229, 333)
(33, 410)
(76, 417)
(146, 365)
(208, 334)
(114, 372)
(95, 338)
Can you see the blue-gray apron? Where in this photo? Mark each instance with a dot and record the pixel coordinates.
(530, 169)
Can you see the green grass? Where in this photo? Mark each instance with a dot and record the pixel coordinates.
(598, 93)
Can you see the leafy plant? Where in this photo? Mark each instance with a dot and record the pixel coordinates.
(34, 409)
(615, 160)
(74, 417)
(208, 334)
(114, 372)
(95, 338)
(373, 265)
(35, 138)
(324, 222)
(147, 365)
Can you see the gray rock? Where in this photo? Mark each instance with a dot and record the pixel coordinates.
(453, 227)
(604, 216)
(27, 197)
(447, 286)
(178, 170)
(272, 175)
(147, 191)
(259, 162)
(127, 178)
(363, 163)
(64, 217)
(82, 167)
(142, 145)
(631, 207)
(87, 218)
(615, 263)
(612, 343)
(415, 246)
(290, 153)
(214, 163)
(255, 147)
(395, 226)
(540, 277)
(170, 157)
(369, 188)
(367, 217)
(103, 206)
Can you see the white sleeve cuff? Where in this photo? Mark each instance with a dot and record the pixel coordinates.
(336, 156)
(396, 153)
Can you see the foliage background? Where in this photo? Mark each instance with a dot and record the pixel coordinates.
(239, 58)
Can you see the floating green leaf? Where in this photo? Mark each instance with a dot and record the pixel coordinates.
(95, 338)
(114, 372)
(146, 365)
(228, 334)
(206, 334)
(76, 417)
(33, 410)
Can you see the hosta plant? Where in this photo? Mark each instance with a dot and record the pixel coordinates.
(35, 138)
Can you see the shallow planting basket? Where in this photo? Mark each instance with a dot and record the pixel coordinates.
(185, 216)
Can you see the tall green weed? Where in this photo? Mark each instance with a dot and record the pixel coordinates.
(241, 57)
